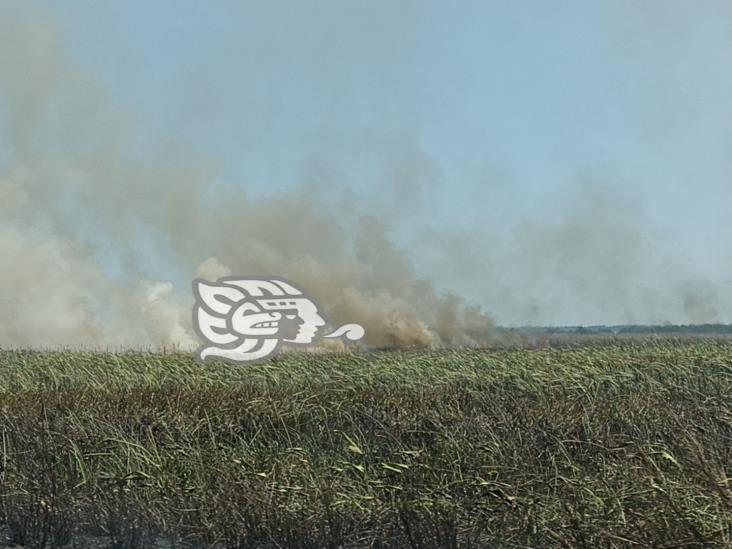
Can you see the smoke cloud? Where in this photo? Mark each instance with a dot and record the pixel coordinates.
(78, 194)
(102, 229)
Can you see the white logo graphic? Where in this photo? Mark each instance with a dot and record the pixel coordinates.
(246, 319)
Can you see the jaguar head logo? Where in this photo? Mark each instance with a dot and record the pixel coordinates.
(247, 319)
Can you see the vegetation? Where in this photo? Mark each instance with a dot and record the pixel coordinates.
(623, 445)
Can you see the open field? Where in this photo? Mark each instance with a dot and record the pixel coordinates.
(623, 445)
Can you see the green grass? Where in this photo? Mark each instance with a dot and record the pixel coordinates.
(625, 445)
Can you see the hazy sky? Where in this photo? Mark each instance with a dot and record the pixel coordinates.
(526, 94)
(520, 151)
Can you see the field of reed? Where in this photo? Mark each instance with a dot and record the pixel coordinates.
(606, 445)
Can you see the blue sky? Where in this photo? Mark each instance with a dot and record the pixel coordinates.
(507, 107)
(536, 91)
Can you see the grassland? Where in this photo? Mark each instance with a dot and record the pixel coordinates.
(623, 445)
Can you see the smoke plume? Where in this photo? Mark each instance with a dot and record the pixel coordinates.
(104, 223)
(84, 207)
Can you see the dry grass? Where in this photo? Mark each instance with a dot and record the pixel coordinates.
(625, 445)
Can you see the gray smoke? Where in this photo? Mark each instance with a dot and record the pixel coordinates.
(601, 261)
(101, 232)
(78, 192)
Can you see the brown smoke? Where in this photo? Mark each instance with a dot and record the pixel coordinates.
(76, 187)
(102, 227)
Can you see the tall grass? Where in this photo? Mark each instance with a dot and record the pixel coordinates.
(623, 445)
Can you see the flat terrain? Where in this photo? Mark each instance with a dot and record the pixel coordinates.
(616, 445)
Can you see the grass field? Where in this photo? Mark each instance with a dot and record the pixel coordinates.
(624, 445)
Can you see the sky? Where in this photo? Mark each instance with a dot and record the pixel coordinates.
(563, 162)
(539, 90)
